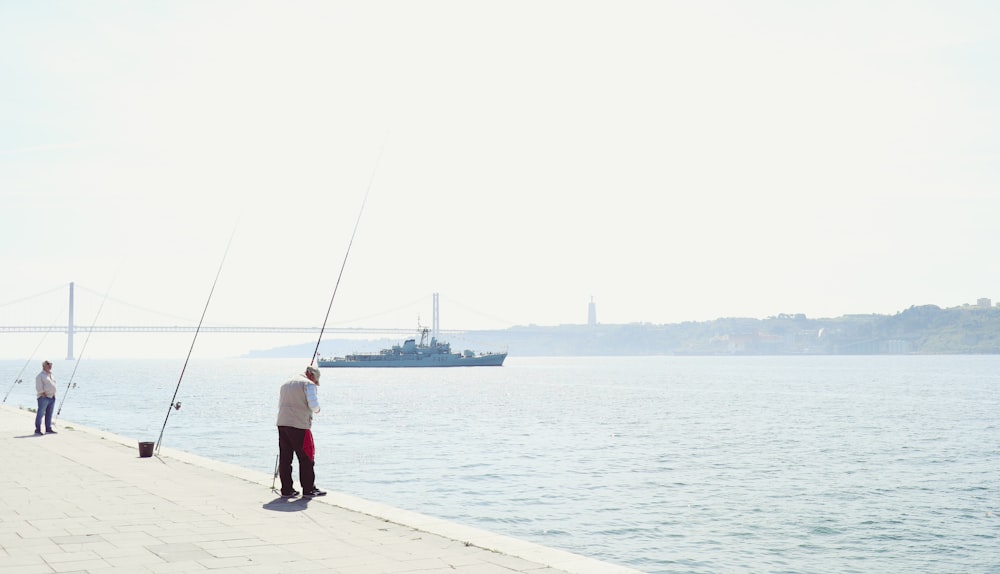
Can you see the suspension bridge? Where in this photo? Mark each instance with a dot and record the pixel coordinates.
(71, 328)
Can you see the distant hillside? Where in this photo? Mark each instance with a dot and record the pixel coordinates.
(926, 329)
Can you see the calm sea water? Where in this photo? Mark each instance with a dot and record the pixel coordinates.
(664, 464)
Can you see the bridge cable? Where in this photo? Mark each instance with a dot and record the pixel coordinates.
(83, 349)
(173, 404)
(53, 290)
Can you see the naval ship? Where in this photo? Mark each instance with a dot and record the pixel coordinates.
(412, 354)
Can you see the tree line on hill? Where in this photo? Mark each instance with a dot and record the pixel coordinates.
(926, 329)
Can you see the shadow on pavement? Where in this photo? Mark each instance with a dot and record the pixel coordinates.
(287, 504)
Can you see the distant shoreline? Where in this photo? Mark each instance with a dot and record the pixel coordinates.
(926, 329)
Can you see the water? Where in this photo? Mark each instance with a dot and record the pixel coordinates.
(664, 464)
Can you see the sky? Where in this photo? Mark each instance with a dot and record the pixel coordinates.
(675, 161)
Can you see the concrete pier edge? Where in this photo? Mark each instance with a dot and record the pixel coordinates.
(470, 536)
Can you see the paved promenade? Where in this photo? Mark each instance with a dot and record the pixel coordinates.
(83, 500)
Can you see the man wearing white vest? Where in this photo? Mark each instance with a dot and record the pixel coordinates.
(298, 401)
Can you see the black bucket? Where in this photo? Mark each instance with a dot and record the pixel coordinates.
(145, 449)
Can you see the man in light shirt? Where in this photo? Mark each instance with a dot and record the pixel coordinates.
(297, 403)
(45, 388)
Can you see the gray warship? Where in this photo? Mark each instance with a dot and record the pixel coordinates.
(413, 354)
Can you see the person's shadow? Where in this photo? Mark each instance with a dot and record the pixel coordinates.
(282, 504)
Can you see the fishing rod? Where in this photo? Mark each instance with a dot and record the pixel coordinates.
(173, 401)
(275, 477)
(28, 362)
(346, 255)
(17, 380)
(83, 350)
(336, 286)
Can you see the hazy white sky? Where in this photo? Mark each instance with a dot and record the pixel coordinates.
(674, 160)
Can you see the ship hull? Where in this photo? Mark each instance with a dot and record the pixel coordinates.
(389, 361)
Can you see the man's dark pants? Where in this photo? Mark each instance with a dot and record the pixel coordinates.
(291, 441)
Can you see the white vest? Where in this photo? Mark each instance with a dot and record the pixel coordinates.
(293, 408)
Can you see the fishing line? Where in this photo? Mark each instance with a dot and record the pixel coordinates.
(17, 379)
(346, 254)
(173, 404)
(83, 350)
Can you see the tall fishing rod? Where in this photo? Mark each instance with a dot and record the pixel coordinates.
(173, 404)
(83, 350)
(346, 255)
(337, 284)
(17, 379)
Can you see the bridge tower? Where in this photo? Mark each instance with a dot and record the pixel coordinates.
(69, 326)
(436, 325)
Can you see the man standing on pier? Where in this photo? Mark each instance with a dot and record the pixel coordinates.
(297, 403)
(45, 388)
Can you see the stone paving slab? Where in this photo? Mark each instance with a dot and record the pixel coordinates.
(83, 501)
